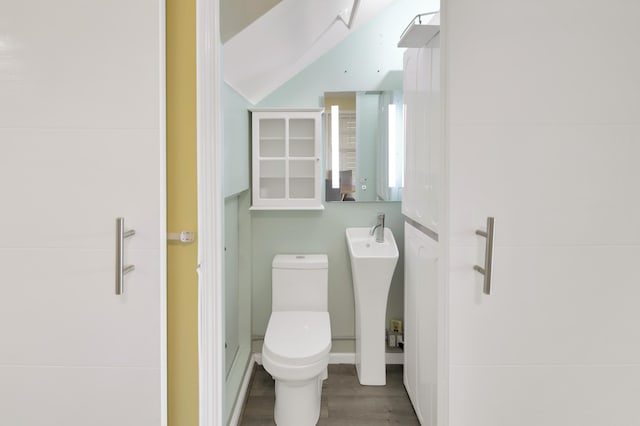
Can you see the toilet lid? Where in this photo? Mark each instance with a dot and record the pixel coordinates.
(297, 338)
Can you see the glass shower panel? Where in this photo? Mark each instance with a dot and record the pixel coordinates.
(231, 306)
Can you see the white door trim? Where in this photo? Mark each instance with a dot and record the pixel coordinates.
(162, 90)
(444, 231)
(210, 207)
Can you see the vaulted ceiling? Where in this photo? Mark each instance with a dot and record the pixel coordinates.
(236, 15)
(271, 42)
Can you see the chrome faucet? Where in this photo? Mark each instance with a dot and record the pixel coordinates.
(378, 229)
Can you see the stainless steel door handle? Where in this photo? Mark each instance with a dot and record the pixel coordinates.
(121, 268)
(488, 256)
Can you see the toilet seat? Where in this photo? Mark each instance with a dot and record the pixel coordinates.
(297, 338)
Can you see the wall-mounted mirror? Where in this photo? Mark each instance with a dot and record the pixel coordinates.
(364, 146)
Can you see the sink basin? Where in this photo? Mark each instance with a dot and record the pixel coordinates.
(372, 267)
(362, 245)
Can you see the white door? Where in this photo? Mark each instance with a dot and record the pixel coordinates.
(81, 143)
(543, 131)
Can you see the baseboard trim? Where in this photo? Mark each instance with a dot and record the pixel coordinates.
(347, 358)
(342, 358)
(242, 395)
(395, 358)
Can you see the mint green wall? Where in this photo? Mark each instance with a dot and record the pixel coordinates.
(372, 62)
(235, 131)
(321, 232)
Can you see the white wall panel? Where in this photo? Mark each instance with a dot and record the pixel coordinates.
(60, 196)
(548, 305)
(67, 64)
(49, 320)
(553, 62)
(32, 395)
(546, 184)
(545, 395)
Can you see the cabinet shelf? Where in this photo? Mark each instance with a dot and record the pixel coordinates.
(262, 208)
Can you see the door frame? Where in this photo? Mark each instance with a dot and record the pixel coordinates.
(210, 211)
(444, 233)
(162, 90)
(210, 233)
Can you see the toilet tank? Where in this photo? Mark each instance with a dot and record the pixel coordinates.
(300, 282)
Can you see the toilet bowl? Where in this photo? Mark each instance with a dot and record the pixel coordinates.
(298, 337)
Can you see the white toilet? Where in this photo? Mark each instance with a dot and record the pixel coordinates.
(298, 338)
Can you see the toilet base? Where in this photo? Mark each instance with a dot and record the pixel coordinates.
(298, 402)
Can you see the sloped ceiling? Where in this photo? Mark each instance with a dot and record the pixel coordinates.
(236, 15)
(286, 39)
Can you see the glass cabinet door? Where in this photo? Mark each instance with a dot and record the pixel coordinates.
(272, 137)
(302, 160)
(272, 179)
(272, 154)
(302, 181)
(302, 137)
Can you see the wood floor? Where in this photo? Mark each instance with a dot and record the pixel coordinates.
(344, 401)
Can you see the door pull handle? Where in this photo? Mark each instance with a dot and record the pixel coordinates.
(488, 256)
(121, 268)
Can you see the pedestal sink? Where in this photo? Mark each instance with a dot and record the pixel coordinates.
(372, 266)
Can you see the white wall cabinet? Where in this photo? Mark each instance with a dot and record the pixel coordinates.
(423, 135)
(421, 323)
(421, 204)
(286, 159)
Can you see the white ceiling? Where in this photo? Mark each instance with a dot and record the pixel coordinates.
(286, 39)
(235, 15)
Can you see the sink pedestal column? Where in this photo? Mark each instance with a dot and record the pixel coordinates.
(370, 337)
(372, 266)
